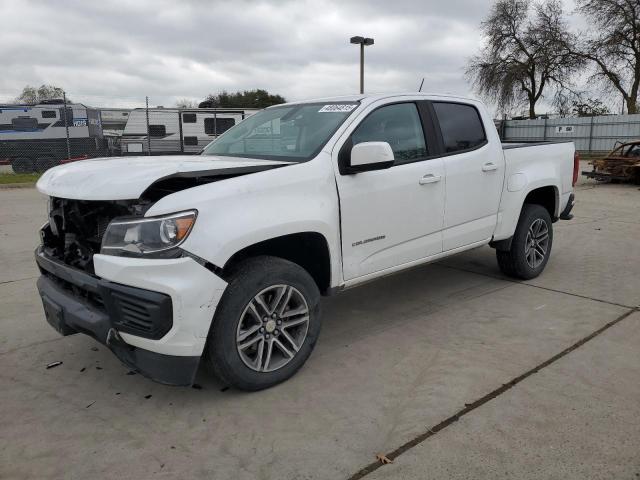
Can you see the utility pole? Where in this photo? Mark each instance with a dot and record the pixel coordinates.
(66, 122)
(362, 41)
(148, 134)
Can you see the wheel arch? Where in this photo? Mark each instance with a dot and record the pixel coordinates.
(308, 249)
(547, 196)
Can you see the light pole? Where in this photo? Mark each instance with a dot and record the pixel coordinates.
(362, 41)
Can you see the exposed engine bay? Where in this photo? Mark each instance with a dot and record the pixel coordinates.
(76, 227)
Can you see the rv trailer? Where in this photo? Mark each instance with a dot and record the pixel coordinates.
(34, 137)
(177, 131)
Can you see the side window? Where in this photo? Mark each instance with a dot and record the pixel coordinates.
(460, 125)
(191, 140)
(157, 131)
(48, 114)
(217, 126)
(399, 125)
(24, 124)
(188, 118)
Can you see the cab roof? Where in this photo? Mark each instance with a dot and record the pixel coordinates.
(370, 98)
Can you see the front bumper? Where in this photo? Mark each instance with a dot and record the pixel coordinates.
(153, 314)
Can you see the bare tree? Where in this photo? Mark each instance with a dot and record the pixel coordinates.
(612, 45)
(185, 103)
(32, 95)
(527, 52)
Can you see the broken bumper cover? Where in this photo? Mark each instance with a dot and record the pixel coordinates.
(153, 314)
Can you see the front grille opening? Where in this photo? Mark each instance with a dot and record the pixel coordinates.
(76, 228)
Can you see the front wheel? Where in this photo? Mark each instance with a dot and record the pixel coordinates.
(266, 324)
(531, 244)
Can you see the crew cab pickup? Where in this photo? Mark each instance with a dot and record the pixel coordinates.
(222, 257)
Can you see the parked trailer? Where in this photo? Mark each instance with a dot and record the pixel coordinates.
(34, 137)
(174, 130)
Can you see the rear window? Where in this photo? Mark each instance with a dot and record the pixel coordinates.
(460, 125)
(217, 126)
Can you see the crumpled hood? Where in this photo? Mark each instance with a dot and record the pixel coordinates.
(126, 178)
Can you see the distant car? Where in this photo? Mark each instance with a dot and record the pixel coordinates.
(223, 256)
(621, 164)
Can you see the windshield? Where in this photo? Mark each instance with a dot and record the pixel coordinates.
(292, 133)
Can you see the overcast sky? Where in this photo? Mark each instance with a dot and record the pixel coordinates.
(113, 53)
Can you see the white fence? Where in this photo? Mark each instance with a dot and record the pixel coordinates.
(590, 134)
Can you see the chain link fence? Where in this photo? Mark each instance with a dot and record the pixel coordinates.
(34, 138)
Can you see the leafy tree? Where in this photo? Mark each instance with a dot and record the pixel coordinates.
(245, 99)
(612, 45)
(32, 95)
(527, 51)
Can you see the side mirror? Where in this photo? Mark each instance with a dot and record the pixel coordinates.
(368, 156)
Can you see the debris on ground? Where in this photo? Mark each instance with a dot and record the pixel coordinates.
(95, 349)
(53, 364)
(148, 396)
(620, 164)
(383, 459)
(91, 404)
(83, 369)
(131, 372)
(196, 386)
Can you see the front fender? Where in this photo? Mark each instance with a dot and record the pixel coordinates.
(239, 212)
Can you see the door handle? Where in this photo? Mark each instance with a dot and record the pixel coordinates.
(430, 178)
(489, 167)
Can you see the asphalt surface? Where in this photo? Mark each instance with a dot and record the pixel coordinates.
(451, 370)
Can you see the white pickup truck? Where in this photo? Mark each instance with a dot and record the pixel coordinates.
(223, 257)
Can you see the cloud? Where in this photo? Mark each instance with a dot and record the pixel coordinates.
(117, 52)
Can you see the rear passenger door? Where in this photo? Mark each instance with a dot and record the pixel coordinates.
(474, 170)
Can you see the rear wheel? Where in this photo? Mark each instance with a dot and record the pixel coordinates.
(266, 324)
(44, 163)
(23, 165)
(531, 244)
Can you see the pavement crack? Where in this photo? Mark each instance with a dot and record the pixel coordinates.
(469, 407)
(18, 280)
(517, 282)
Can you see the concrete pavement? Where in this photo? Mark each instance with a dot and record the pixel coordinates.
(395, 358)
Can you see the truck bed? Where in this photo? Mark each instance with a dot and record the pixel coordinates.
(511, 145)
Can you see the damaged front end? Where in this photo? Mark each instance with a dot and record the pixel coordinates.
(76, 228)
(111, 272)
(76, 300)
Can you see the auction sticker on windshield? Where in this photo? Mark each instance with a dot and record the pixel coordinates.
(337, 108)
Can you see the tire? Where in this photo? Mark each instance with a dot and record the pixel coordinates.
(23, 165)
(525, 260)
(237, 350)
(44, 163)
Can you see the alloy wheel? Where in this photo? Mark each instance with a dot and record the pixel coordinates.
(537, 243)
(272, 328)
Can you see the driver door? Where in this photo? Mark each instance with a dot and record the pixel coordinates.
(393, 216)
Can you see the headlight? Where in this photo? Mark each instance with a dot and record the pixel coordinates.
(142, 236)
